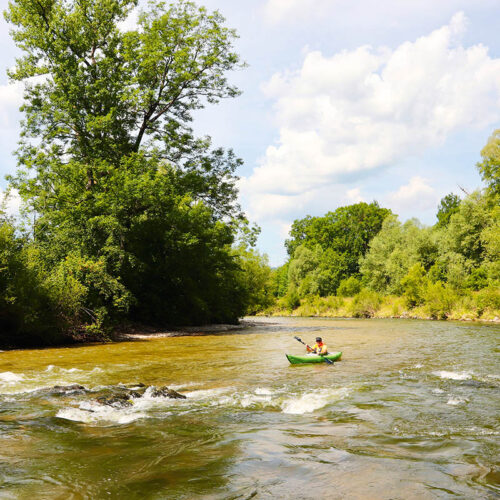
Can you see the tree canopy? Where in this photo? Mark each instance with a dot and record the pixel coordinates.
(108, 165)
(326, 250)
(448, 206)
(489, 167)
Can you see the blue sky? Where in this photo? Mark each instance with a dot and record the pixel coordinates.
(343, 101)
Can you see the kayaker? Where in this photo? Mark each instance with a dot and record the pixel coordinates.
(318, 348)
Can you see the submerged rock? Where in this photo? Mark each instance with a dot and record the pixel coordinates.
(116, 396)
(167, 393)
(478, 384)
(122, 397)
(64, 389)
(116, 401)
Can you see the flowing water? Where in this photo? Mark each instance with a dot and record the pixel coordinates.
(411, 411)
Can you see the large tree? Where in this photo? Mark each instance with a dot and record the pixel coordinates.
(347, 231)
(325, 250)
(108, 163)
(448, 206)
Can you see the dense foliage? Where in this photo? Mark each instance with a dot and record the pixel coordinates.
(326, 250)
(134, 217)
(366, 252)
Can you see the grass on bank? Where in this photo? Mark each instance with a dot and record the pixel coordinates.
(439, 302)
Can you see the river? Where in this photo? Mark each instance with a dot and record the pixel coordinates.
(411, 411)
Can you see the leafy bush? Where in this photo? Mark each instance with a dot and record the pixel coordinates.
(332, 302)
(366, 303)
(414, 285)
(488, 299)
(477, 279)
(439, 300)
(349, 287)
(292, 300)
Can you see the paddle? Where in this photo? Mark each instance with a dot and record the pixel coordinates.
(326, 360)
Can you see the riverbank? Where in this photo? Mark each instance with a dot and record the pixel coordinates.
(141, 332)
(130, 332)
(372, 305)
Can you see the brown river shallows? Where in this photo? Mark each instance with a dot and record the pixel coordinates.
(412, 411)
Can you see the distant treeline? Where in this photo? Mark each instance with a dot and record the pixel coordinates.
(364, 251)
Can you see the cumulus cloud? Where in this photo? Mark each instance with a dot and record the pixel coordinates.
(344, 116)
(417, 194)
(277, 10)
(354, 195)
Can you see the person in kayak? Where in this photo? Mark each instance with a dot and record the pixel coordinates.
(318, 348)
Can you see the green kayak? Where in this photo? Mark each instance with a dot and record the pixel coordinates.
(313, 358)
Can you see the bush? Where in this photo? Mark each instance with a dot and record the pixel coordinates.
(365, 304)
(349, 287)
(439, 300)
(414, 285)
(292, 300)
(334, 303)
(488, 299)
(478, 279)
(47, 304)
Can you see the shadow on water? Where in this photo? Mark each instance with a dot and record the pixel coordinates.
(180, 457)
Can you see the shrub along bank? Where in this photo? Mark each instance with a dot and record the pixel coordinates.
(439, 302)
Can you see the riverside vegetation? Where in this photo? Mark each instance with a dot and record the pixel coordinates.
(127, 216)
(361, 261)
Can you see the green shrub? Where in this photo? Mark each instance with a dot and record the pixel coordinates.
(349, 287)
(477, 279)
(488, 299)
(332, 302)
(292, 300)
(439, 300)
(414, 285)
(366, 303)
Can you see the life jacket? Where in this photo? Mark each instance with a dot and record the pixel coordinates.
(318, 348)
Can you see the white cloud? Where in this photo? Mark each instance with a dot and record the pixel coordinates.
(278, 10)
(363, 12)
(344, 116)
(11, 203)
(417, 194)
(354, 195)
(11, 98)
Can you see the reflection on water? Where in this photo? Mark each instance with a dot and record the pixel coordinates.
(410, 412)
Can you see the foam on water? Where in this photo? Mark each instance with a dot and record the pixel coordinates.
(312, 401)
(453, 375)
(206, 393)
(51, 375)
(263, 391)
(456, 401)
(254, 399)
(10, 378)
(92, 412)
(95, 413)
(53, 368)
